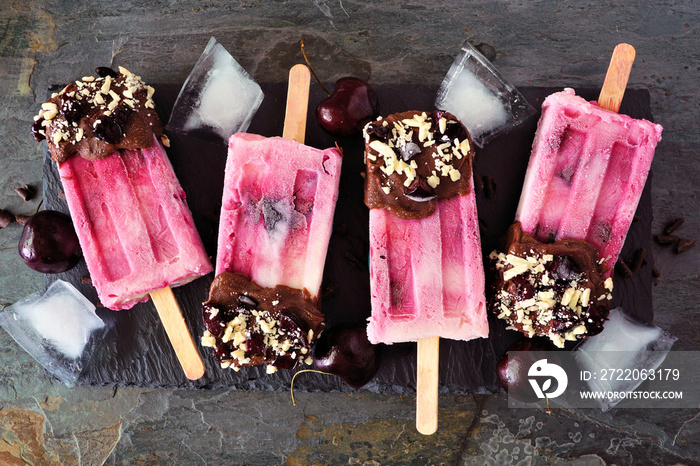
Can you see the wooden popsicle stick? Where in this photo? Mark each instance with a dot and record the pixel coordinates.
(427, 385)
(297, 103)
(616, 78)
(178, 333)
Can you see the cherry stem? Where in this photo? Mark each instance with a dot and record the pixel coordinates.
(291, 387)
(308, 63)
(39, 206)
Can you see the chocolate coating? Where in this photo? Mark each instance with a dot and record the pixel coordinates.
(418, 160)
(536, 300)
(94, 117)
(293, 313)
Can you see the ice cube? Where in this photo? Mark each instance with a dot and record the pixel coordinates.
(623, 344)
(218, 96)
(476, 93)
(478, 108)
(55, 328)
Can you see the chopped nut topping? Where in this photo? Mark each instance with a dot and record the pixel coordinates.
(95, 98)
(208, 340)
(49, 115)
(540, 294)
(384, 150)
(433, 181)
(253, 336)
(608, 284)
(392, 152)
(105, 86)
(442, 124)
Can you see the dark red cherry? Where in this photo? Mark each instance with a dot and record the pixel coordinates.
(513, 369)
(48, 243)
(38, 130)
(378, 132)
(420, 190)
(352, 105)
(344, 350)
(70, 108)
(563, 268)
(104, 71)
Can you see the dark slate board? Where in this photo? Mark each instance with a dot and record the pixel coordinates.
(136, 352)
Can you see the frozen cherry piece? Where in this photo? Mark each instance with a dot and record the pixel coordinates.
(352, 105)
(420, 191)
(37, 128)
(212, 321)
(523, 289)
(345, 351)
(378, 131)
(597, 315)
(452, 131)
(513, 369)
(108, 129)
(70, 108)
(563, 268)
(255, 345)
(48, 243)
(122, 113)
(410, 150)
(104, 71)
(284, 361)
(292, 328)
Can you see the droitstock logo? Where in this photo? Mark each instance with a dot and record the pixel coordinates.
(540, 376)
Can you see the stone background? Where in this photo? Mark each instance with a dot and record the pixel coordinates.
(535, 43)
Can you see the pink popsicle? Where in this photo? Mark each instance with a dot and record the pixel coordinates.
(134, 226)
(586, 173)
(129, 211)
(276, 222)
(277, 211)
(427, 276)
(426, 272)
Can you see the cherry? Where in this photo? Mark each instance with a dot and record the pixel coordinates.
(111, 128)
(420, 190)
(48, 243)
(352, 105)
(513, 369)
(344, 350)
(104, 71)
(37, 127)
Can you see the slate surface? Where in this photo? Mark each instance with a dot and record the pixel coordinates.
(136, 352)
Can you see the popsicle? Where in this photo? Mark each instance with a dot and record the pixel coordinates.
(128, 208)
(276, 222)
(586, 173)
(426, 272)
(135, 229)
